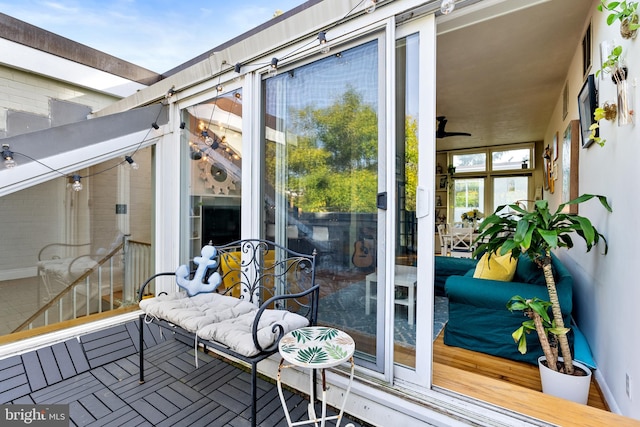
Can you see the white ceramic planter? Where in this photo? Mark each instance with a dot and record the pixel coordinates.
(567, 387)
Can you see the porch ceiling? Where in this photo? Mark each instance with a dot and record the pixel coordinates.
(500, 74)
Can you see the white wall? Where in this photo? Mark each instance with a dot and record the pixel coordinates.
(30, 93)
(606, 287)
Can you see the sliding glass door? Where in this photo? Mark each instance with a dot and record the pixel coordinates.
(321, 181)
(414, 151)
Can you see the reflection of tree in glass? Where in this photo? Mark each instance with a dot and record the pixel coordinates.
(333, 165)
(411, 163)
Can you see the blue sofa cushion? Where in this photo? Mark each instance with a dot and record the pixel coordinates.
(528, 272)
(446, 266)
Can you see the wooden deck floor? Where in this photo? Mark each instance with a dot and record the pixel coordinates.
(97, 376)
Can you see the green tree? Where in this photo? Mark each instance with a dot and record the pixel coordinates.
(332, 165)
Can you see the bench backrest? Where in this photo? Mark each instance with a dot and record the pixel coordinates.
(259, 270)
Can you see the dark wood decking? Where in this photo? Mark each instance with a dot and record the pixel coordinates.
(98, 377)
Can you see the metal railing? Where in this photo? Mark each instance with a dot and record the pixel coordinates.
(109, 284)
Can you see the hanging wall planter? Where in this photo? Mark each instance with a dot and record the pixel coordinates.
(629, 27)
(625, 12)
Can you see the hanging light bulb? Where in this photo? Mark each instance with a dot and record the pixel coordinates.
(77, 185)
(131, 162)
(322, 38)
(273, 68)
(219, 88)
(447, 6)
(7, 155)
(370, 6)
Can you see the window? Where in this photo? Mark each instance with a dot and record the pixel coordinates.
(511, 159)
(473, 162)
(69, 254)
(468, 195)
(508, 190)
(485, 186)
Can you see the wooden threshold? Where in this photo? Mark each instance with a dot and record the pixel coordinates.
(525, 401)
(515, 386)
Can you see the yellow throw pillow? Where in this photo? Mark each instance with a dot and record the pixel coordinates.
(498, 267)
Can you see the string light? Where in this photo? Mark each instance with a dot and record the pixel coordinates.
(447, 6)
(155, 126)
(131, 162)
(77, 185)
(273, 69)
(237, 68)
(370, 6)
(322, 38)
(7, 155)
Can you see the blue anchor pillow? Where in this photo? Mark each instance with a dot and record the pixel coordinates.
(197, 285)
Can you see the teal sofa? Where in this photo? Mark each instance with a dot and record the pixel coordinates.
(479, 319)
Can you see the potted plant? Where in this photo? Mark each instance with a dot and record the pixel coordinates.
(536, 234)
(625, 12)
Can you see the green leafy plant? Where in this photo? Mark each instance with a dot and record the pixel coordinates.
(607, 112)
(625, 12)
(595, 134)
(612, 64)
(620, 10)
(535, 234)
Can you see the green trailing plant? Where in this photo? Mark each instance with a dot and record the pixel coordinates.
(513, 229)
(607, 112)
(595, 135)
(612, 65)
(621, 10)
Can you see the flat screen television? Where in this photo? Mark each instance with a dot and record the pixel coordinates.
(220, 224)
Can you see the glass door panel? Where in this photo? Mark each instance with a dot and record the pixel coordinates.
(212, 159)
(406, 245)
(321, 182)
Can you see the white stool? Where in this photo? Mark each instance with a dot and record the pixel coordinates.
(316, 347)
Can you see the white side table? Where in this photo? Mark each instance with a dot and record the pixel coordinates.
(404, 277)
(316, 347)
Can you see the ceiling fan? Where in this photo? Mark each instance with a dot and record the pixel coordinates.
(441, 133)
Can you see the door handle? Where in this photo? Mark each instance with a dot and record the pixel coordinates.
(381, 200)
(423, 205)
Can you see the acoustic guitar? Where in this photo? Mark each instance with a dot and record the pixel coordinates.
(363, 252)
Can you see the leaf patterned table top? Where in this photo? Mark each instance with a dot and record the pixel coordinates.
(316, 347)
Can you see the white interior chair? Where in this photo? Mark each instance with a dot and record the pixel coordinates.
(443, 234)
(461, 242)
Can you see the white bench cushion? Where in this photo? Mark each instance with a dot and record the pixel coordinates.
(236, 333)
(224, 319)
(192, 313)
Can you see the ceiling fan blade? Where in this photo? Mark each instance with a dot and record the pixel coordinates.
(441, 133)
